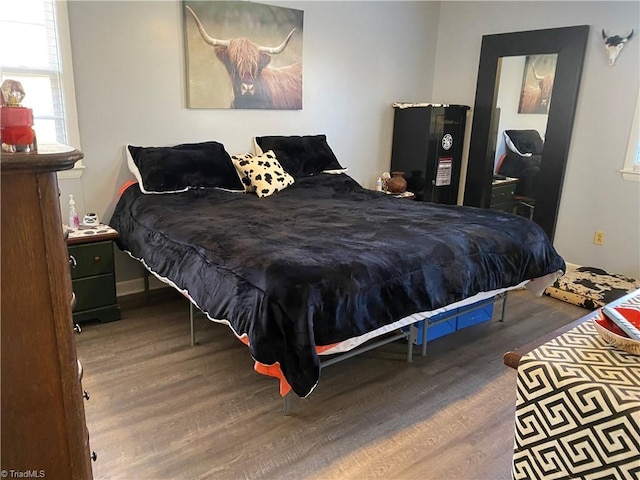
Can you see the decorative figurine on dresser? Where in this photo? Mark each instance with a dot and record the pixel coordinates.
(16, 121)
(43, 421)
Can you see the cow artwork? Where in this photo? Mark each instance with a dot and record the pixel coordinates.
(537, 84)
(614, 45)
(249, 70)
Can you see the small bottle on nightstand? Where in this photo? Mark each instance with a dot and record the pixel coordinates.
(74, 220)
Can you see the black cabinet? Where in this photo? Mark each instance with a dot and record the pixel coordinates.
(428, 142)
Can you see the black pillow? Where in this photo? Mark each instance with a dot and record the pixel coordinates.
(176, 169)
(301, 156)
(526, 169)
(526, 141)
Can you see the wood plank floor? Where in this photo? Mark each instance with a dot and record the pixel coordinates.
(161, 409)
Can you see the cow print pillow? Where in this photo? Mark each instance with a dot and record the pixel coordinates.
(246, 181)
(261, 174)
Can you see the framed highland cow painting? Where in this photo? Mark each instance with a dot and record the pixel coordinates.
(537, 83)
(242, 55)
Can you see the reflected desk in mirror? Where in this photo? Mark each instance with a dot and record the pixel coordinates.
(502, 194)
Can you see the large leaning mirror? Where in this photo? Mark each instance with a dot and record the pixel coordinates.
(556, 53)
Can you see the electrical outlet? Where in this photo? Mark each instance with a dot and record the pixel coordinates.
(598, 238)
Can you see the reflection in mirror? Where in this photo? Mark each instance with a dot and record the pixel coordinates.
(523, 98)
(537, 51)
(537, 83)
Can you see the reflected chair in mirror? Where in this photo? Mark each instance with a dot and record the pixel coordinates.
(522, 161)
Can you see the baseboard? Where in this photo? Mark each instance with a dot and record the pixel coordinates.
(131, 294)
(571, 266)
(130, 287)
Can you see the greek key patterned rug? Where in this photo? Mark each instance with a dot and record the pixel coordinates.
(578, 410)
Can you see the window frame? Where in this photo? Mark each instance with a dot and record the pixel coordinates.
(66, 80)
(68, 85)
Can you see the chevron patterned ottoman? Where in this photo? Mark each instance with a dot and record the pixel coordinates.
(591, 287)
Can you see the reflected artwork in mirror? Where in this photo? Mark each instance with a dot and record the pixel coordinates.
(526, 97)
(537, 83)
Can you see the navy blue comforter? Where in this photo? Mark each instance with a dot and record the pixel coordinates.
(324, 260)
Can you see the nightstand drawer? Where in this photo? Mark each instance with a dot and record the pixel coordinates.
(502, 194)
(503, 207)
(93, 274)
(91, 259)
(93, 292)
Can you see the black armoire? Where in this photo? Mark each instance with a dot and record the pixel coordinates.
(428, 141)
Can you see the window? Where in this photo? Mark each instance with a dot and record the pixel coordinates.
(631, 168)
(36, 51)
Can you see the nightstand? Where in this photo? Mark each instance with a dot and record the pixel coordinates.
(502, 192)
(93, 273)
(405, 194)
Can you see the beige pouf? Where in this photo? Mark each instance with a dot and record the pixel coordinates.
(591, 287)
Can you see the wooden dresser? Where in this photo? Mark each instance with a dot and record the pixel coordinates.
(43, 424)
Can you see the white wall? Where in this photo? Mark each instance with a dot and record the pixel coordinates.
(358, 58)
(595, 197)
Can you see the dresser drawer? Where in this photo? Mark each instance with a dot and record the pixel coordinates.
(91, 259)
(93, 292)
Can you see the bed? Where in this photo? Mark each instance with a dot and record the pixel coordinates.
(320, 264)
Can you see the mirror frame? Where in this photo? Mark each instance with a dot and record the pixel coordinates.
(570, 44)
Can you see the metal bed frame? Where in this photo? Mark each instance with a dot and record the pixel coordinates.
(370, 345)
